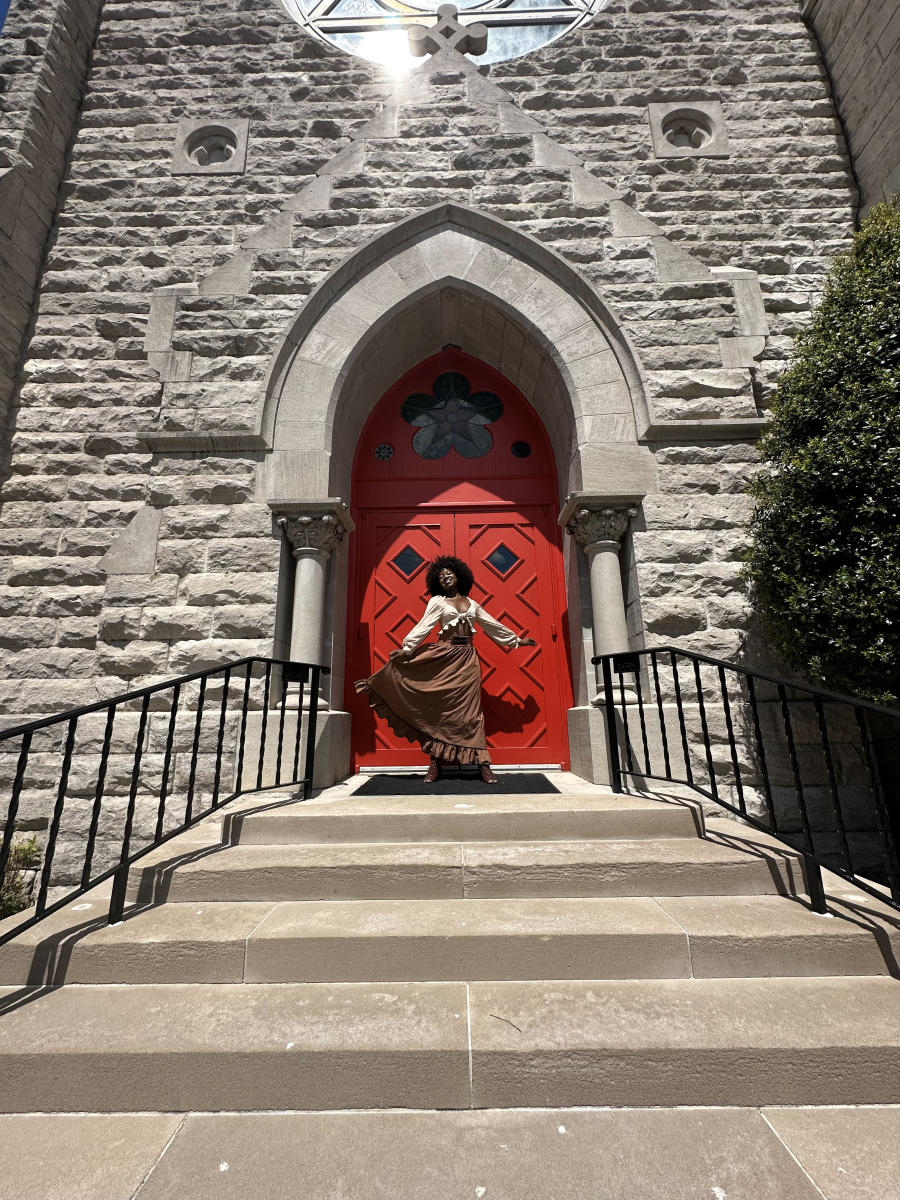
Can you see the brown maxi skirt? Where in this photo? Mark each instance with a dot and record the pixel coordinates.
(434, 698)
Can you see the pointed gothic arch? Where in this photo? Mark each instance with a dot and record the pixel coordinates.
(454, 275)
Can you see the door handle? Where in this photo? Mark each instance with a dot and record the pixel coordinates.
(554, 632)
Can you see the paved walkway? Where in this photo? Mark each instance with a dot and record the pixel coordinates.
(513, 1154)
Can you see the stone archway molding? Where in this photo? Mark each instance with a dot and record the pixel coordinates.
(552, 335)
(451, 243)
(443, 243)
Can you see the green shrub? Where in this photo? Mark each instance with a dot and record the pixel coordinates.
(824, 562)
(16, 886)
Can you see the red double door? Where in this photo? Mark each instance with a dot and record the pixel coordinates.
(497, 513)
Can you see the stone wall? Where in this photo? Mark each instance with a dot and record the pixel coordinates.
(44, 53)
(138, 543)
(861, 43)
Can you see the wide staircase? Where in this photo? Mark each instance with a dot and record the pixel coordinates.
(487, 954)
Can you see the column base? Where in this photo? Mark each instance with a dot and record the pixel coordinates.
(588, 747)
(332, 748)
(588, 742)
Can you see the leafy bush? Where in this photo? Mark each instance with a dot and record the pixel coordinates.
(17, 884)
(824, 561)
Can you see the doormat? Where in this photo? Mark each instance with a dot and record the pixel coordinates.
(512, 784)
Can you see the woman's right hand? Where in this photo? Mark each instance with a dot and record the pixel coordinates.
(403, 655)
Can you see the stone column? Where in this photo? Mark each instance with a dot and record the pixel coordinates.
(599, 532)
(313, 536)
(312, 529)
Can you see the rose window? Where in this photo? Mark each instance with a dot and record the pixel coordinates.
(377, 29)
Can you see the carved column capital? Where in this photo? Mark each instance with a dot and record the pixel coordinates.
(312, 533)
(592, 525)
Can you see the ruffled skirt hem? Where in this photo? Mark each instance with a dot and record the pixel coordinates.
(445, 751)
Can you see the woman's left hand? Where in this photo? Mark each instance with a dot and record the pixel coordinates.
(527, 642)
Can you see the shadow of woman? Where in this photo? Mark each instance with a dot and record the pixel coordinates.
(506, 716)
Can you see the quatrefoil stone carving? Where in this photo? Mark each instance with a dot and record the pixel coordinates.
(447, 34)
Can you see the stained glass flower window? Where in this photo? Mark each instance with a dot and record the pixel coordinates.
(453, 417)
(376, 29)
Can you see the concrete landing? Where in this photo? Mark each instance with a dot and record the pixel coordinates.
(563, 1154)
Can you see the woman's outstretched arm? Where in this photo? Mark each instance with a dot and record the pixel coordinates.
(497, 632)
(420, 632)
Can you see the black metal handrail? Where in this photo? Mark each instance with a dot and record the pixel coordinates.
(125, 775)
(792, 760)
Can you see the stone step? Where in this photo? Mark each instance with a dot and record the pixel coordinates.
(241, 1047)
(706, 1042)
(236, 1046)
(551, 817)
(438, 940)
(444, 870)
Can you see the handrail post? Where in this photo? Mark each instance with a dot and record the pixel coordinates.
(120, 879)
(814, 886)
(612, 737)
(119, 893)
(6, 842)
(310, 765)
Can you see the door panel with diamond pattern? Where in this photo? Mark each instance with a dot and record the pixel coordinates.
(512, 559)
(518, 582)
(454, 460)
(396, 549)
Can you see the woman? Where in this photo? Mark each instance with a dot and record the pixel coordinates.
(432, 695)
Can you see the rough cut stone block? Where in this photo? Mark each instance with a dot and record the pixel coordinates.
(48, 572)
(242, 620)
(186, 657)
(78, 631)
(671, 618)
(133, 658)
(216, 588)
(30, 631)
(174, 624)
(120, 624)
(141, 589)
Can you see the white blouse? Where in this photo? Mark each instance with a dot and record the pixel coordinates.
(461, 624)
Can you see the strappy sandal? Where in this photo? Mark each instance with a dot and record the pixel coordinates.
(433, 774)
(487, 775)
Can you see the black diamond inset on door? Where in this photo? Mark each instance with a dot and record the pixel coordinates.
(502, 559)
(407, 561)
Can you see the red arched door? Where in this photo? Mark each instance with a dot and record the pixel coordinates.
(453, 460)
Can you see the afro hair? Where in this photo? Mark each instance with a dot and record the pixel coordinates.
(464, 577)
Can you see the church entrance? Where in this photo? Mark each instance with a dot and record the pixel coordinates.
(453, 460)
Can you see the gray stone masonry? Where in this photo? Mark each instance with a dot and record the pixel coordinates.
(861, 43)
(44, 52)
(165, 297)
